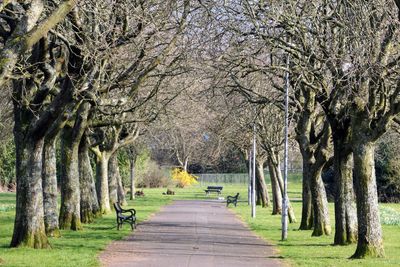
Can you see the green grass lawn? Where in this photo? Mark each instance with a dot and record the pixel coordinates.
(73, 248)
(82, 248)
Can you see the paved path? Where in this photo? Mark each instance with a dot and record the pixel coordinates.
(191, 233)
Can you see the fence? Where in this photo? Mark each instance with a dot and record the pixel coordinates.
(240, 178)
(229, 178)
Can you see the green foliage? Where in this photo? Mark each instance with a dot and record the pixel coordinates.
(148, 173)
(142, 161)
(7, 163)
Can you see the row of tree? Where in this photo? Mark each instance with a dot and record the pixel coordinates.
(90, 74)
(342, 59)
(94, 75)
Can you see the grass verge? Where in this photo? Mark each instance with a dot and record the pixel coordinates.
(82, 248)
(73, 248)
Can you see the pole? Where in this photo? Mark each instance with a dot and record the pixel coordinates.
(249, 180)
(253, 195)
(285, 166)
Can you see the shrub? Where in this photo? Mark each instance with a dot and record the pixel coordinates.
(152, 176)
(183, 178)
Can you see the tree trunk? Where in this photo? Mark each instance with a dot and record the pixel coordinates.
(29, 228)
(370, 243)
(276, 165)
(120, 189)
(115, 177)
(113, 172)
(70, 214)
(102, 182)
(49, 180)
(261, 186)
(185, 164)
(322, 225)
(276, 191)
(307, 219)
(132, 178)
(89, 203)
(345, 210)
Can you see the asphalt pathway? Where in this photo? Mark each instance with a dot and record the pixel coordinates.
(191, 233)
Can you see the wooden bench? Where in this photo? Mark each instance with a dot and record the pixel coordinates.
(121, 217)
(232, 199)
(216, 189)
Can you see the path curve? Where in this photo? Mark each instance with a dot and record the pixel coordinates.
(191, 233)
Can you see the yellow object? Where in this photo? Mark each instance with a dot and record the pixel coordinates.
(183, 178)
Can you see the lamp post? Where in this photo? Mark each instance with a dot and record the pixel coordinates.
(253, 189)
(249, 180)
(285, 168)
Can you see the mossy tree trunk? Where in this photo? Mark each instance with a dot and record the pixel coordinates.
(102, 182)
(29, 228)
(276, 190)
(261, 186)
(321, 221)
(70, 213)
(49, 180)
(345, 210)
(113, 172)
(120, 189)
(117, 192)
(370, 241)
(307, 219)
(275, 162)
(89, 203)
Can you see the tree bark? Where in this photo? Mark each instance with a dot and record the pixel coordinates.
(29, 228)
(261, 186)
(120, 189)
(370, 242)
(322, 225)
(89, 203)
(307, 219)
(102, 182)
(70, 214)
(345, 210)
(277, 171)
(49, 180)
(117, 191)
(113, 172)
(276, 191)
(132, 177)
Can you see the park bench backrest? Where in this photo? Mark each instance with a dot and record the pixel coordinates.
(117, 207)
(214, 187)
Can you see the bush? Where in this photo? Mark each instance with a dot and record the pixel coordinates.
(183, 178)
(152, 176)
